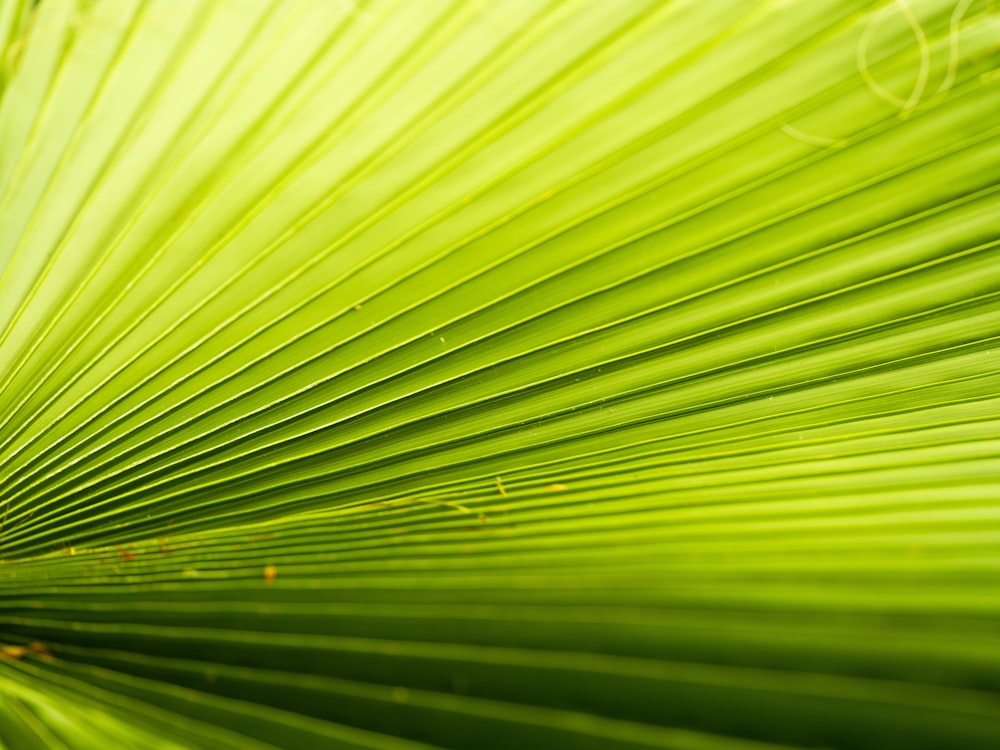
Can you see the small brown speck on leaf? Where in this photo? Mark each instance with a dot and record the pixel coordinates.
(41, 650)
(270, 573)
(19, 652)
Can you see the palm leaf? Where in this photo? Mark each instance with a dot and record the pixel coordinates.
(516, 374)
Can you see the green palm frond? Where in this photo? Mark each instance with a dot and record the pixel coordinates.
(517, 374)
